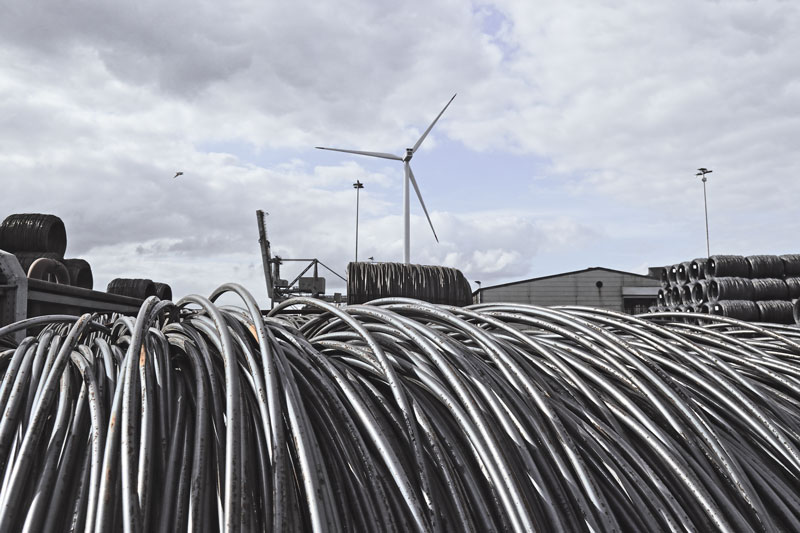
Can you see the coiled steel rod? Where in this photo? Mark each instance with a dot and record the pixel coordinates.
(398, 415)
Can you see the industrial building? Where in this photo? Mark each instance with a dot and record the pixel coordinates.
(605, 288)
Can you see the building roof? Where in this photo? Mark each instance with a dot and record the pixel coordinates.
(590, 269)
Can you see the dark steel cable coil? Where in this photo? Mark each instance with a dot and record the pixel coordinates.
(686, 295)
(33, 232)
(765, 266)
(672, 275)
(700, 292)
(80, 273)
(675, 295)
(796, 311)
(739, 309)
(163, 291)
(133, 287)
(682, 274)
(776, 311)
(727, 266)
(770, 289)
(663, 275)
(661, 298)
(730, 289)
(793, 286)
(434, 284)
(697, 269)
(791, 265)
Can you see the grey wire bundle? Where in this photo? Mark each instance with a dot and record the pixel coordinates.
(775, 311)
(398, 415)
(683, 273)
(133, 287)
(791, 264)
(33, 232)
(731, 266)
(80, 272)
(697, 269)
(730, 289)
(765, 266)
(432, 283)
(770, 289)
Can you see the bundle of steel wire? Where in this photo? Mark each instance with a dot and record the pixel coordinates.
(770, 289)
(765, 266)
(734, 266)
(432, 283)
(33, 232)
(133, 287)
(399, 415)
(80, 273)
(730, 289)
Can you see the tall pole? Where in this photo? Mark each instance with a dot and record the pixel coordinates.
(702, 172)
(406, 218)
(357, 186)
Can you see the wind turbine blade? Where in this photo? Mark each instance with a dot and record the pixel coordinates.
(419, 195)
(359, 152)
(430, 127)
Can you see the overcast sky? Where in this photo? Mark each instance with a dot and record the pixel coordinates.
(573, 142)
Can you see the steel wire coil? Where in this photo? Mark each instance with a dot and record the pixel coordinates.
(740, 309)
(796, 311)
(33, 232)
(700, 292)
(730, 289)
(163, 291)
(133, 287)
(672, 275)
(775, 311)
(697, 269)
(675, 295)
(791, 265)
(770, 289)
(765, 266)
(434, 284)
(661, 297)
(682, 273)
(727, 266)
(686, 295)
(663, 276)
(793, 287)
(80, 273)
(399, 415)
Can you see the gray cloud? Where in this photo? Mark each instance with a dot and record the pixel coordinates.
(100, 105)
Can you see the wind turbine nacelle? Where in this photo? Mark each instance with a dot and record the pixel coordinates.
(409, 154)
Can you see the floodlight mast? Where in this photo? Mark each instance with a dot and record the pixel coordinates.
(408, 177)
(702, 172)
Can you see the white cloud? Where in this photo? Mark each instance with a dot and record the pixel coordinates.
(619, 101)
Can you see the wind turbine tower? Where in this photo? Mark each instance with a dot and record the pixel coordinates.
(408, 178)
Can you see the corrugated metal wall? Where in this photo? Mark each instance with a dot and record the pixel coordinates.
(579, 288)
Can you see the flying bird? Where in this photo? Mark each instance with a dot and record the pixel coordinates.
(177, 174)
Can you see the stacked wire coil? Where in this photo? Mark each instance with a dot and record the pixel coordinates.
(757, 287)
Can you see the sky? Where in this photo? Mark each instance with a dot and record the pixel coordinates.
(573, 141)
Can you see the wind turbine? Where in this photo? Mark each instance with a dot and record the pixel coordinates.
(409, 177)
